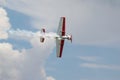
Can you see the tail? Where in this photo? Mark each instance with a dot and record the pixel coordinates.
(42, 38)
(42, 30)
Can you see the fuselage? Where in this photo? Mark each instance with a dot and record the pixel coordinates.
(68, 37)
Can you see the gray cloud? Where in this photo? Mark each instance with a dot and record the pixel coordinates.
(2, 2)
(92, 22)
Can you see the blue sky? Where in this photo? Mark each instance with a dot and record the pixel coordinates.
(93, 55)
(72, 63)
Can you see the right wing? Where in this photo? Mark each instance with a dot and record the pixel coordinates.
(59, 47)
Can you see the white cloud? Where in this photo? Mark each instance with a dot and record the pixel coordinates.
(10, 62)
(25, 34)
(35, 59)
(91, 22)
(27, 64)
(4, 24)
(50, 78)
(45, 77)
(92, 62)
(89, 58)
(100, 66)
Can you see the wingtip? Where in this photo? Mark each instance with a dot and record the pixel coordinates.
(63, 17)
(59, 56)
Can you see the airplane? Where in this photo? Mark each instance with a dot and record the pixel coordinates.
(60, 37)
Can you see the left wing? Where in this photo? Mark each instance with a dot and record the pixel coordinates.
(61, 28)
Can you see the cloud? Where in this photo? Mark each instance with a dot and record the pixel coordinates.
(35, 59)
(25, 34)
(89, 58)
(92, 62)
(90, 22)
(4, 24)
(100, 66)
(26, 64)
(10, 62)
(50, 78)
(2, 2)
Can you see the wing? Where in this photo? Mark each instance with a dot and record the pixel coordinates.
(61, 28)
(59, 47)
(60, 32)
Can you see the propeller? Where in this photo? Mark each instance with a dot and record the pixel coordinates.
(71, 38)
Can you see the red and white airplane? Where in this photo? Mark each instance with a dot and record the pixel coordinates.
(60, 37)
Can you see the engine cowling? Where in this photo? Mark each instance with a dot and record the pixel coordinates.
(70, 38)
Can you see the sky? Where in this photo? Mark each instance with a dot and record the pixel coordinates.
(93, 54)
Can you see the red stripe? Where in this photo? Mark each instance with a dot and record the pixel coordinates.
(63, 26)
(61, 47)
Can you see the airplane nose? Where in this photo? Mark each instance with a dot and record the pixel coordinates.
(71, 38)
